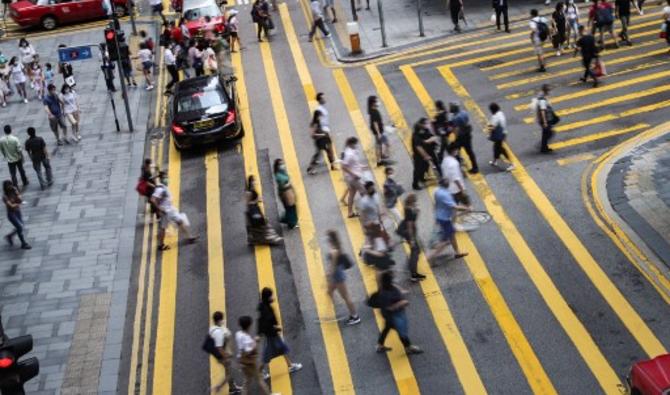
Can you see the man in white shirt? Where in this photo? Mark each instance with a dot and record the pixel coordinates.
(451, 170)
(247, 354)
(221, 336)
(171, 66)
(162, 200)
(325, 119)
(317, 20)
(352, 167)
(538, 33)
(370, 212)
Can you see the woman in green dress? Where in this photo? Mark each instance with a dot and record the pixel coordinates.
(286, 194)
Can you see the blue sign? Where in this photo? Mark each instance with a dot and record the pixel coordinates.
(69, 54)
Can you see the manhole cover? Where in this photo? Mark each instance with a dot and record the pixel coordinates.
(489, 63)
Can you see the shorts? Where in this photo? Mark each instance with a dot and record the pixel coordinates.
(381, 139)
(354, 184)
(148, 65)
(537, 47)
(233, 34)
(446, 230)
(172, 216)
(461, 198)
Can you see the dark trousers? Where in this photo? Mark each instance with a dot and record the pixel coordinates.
(503, 11)
(318, 23)
(388, 325)
(586, 62)
(465, 142)
(420, 169)
(13, 166)
(322, 144)
(498, 150)
(625, 21)
(262, 28)
(37, 165)
(546, 136)
(413, 257)
(174, 75)
(454, 16)
(15, 218)
(110, 84)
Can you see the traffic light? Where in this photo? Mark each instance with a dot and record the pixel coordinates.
(110, 40)
(14, 373)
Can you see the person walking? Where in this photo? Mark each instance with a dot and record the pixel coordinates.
(53, 105)
(500, 8)
(558, 26)
(370, 213)
(162, 199)
(18, 72)
(546, 118)
(572, 19)
(463, 130)
(456, 11)
(622, 11)
(451, 170)
(601, 18)
(259, 230)
(146, 59)
(221, 337)
(393, 303)
(317, 20)
(71, 109)
(325, 114)
(497, 128)
(330, 5)
(28, 54)
(377, 127)
(338, 262)
(392, 192)
(12, 199)
(407, 230)
(39, 155)
(589, 51)
(666, 21)
(268, 326)
(423, 141)
(233, 29)
(171, 65)
(247, 356)
(260, 14)
(286, 194)
(353, 168)
(322, 142)
(445, 207)
(10, 147)
(539, 31)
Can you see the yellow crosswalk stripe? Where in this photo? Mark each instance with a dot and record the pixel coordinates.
(334, 345)
(281, 381)
(575, 70)
(597, 136)
(566, 127)
(628, 316)
(575, 158)
(571, 324)
(607, 102)
(439, 308)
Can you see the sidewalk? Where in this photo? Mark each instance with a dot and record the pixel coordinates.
(402, 26)
(632, 186)
(70, 291)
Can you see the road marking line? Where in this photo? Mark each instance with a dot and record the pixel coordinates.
(573, 327)
(628, 316)
(333, 343)
(575, 70)
(400, 366)
(317, 42)
(445, 323)
(575, 159)
(605, 103)
(596, 136)
(609, 117)
(516, 339)
(281, 381)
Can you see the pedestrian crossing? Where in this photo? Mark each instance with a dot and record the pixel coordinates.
(544, 303)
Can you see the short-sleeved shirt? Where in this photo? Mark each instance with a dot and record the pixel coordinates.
(535, 29)
(245, 343)
(221, 336)
(587, 45)
(325, 119)
(70, 102)
(419, 140)
(368, 208)
(572, 12)
(462, 120)
(351, 161)
(316, 10)
(666, 12)
(54, 105)
(542, 105)
(622, 7)
(444, 204)
(163, 197)
(10, 147)
(498, 119)
(389, 297)
(451, 169)
(376, 118)
(18, 74)
(145, 55)
(35, 147)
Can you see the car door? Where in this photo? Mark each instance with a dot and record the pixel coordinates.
(89, 9)
(66, 11)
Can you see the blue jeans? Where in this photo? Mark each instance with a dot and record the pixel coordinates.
(15, 218)
(395, 320)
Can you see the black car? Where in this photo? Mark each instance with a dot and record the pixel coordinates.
(204, 110)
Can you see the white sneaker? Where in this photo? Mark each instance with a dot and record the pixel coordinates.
(150, 87)
(25, 101)
(510, 168)
(558, 53)
(266, 375)
(294, 367)
(547, 2)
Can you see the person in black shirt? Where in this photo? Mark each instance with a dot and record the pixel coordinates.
(392, 302)
(37, 149)
(422, 141)
(587, 45)
(377, 128)
(622, 9)
(500, 7)
(441, 127)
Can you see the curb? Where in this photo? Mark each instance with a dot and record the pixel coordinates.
(594, 183)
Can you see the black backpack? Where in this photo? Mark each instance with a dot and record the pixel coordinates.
(345, 261)
(604, 16)
(210, 348)
(542, 30)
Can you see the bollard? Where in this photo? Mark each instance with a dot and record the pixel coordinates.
(354, 37)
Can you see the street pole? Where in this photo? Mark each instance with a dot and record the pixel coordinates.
(381, 22)
(353, 10)
(124, 90)
(116, 119)
(131, 12)
(419, 9)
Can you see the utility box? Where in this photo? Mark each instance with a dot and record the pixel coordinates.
(354, 37)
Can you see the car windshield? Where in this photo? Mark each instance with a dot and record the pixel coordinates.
(196, 13)
(201, 100)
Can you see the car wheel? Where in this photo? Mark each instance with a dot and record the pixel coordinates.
(120, 11)
(177, 145)
(49, 22)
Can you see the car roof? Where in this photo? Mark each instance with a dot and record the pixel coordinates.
(198, 84)
(191, 4)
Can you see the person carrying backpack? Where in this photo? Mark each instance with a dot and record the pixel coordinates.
(539, 31)
(217, 344)
(601, 18)
(546, 118)
(260, 15)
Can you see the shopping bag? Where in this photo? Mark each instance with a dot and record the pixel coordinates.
(599, 70)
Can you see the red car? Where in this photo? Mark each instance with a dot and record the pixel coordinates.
(195, 13)
(650, 377)
(50, 13)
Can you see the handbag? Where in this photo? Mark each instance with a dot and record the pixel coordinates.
(345, 261)
(70, 81)
(552, 118)
(402, 230)
(497, 134)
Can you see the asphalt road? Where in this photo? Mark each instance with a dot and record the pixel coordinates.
(544, 303)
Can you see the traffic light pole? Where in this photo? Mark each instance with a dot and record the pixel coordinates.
(124, 90)
(131, 12)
